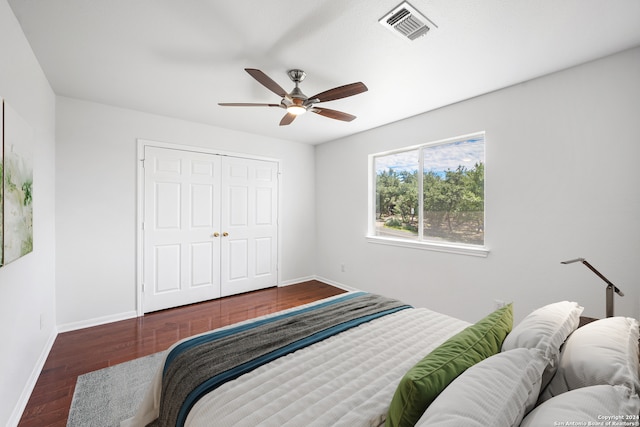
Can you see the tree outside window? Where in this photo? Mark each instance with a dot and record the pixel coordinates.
(443, 203)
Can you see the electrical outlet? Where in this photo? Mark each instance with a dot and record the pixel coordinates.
(41, 321)
(343, 268)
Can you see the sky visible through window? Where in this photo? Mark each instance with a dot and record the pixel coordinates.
(438, 158)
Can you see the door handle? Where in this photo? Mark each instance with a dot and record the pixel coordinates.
(216, 234)
(225, 234)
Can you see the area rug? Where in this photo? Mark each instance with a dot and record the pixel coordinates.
(105, 397)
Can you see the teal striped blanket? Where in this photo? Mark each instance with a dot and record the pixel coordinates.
(197, 366)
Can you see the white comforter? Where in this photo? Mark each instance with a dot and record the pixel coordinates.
(346, 380)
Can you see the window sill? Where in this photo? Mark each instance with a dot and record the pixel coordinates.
(478, 251)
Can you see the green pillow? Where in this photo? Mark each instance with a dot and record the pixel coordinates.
(422, 384)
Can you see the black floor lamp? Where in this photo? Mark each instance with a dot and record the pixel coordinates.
(610, 286)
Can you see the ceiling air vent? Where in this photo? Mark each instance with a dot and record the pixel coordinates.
(406, 21)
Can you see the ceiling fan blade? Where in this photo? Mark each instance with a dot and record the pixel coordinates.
(340, 92)
(333, 114)
(287, 119)
(266, 81)
(246, 104)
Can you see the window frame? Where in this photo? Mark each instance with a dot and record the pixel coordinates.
(420, 243)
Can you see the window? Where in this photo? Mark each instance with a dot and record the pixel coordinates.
(430, 196)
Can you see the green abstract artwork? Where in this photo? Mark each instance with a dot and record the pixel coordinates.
(17, 187)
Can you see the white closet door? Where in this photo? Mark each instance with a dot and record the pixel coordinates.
(182, 233)
(249, 225)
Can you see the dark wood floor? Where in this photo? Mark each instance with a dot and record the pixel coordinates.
(78, 352)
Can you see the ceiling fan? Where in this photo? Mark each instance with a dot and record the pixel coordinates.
(296, 102)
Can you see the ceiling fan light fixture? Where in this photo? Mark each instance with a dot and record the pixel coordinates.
(296, 110)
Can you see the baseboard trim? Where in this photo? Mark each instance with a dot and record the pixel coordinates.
(296, 281)
(336, 284)
(320, 279)
(14, 419)
(74, 326)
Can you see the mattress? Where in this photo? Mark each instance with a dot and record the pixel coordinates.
(345, 380)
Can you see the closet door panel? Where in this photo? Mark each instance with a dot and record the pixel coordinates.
(181, 254)
(249, 224)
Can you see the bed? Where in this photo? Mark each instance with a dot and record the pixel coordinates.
(361, 359)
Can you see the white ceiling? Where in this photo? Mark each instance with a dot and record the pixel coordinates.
(180, 58)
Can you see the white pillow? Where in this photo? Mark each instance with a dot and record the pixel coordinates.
(601, 352)
(545, 328)
(595, 404)
(498, 391)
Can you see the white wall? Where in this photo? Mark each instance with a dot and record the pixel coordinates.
(27, 286)
(562, 168)
(96, 202)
